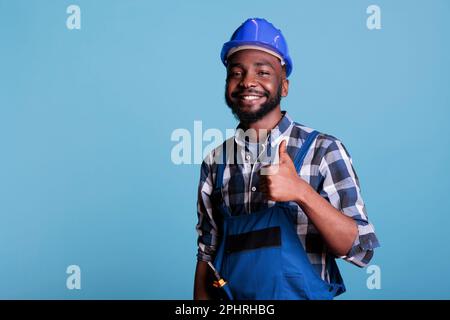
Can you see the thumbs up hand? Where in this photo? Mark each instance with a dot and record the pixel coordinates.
(281, 182)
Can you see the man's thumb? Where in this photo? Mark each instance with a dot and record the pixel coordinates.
(282, 151)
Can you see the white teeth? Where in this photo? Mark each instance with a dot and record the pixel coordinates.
(250, 97)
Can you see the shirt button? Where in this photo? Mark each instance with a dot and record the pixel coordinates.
(253, 189)
(247, 157)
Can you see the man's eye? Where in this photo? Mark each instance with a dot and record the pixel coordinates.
(263, 73)
(236, 74)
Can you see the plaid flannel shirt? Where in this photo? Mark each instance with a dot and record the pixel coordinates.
(327, 168)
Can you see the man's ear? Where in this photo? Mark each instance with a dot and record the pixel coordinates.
(284, 82)
(284, 87)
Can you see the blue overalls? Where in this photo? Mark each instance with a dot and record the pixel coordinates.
(261, 257)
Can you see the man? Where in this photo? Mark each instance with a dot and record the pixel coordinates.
(271, 228)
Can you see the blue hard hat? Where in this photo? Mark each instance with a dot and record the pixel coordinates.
(257, 33)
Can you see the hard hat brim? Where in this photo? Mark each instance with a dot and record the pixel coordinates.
(250, 46)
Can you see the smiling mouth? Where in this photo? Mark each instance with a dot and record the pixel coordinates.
(251, 101)
(250, 97)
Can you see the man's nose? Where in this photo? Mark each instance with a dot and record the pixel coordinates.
(248, 81)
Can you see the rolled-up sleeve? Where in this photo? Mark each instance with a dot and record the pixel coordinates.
(206, 226)
(342, 189)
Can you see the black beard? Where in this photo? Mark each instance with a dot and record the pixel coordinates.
(247, 118)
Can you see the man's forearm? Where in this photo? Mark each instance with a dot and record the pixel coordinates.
(338, 230)
(201, 281)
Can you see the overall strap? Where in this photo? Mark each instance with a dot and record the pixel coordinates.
(217, 191)
(221, 167)
(301, 154)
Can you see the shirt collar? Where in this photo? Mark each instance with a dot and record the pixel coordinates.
(275, 135)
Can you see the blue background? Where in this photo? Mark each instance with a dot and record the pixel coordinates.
(86, 117)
